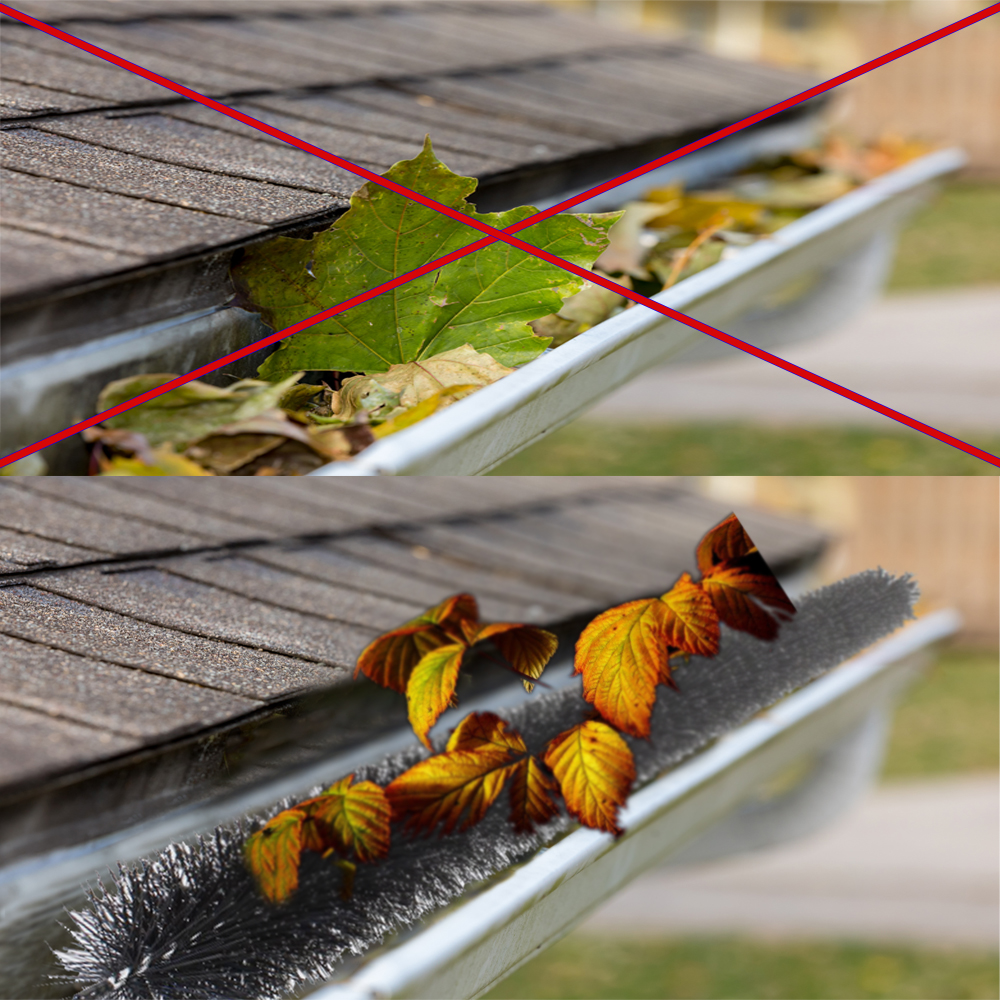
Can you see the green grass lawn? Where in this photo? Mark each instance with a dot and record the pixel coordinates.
(953, 241)
(732, 969)
(589, 448)
(946, 724)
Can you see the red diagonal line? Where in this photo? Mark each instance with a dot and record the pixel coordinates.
(505, 237)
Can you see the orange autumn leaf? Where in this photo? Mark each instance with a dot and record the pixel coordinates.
(532, 792)
(745, 592)
(748, 597)
(453, 788)
(454, 613)
(727, 540)
(352, 819)
(272, 855)
(693, 625)
(526, 648)
(595, 770)
(347, 819)
(423, 657)
(389, 660)
(313, 836)
(486, 731)
(622, 655)
(531, 786)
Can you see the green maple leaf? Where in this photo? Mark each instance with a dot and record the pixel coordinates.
(485, 299)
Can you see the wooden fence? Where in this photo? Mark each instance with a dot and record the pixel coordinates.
(947, 92)
(945, 530)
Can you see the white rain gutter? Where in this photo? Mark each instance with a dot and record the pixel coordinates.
(475, 944)
(846, 246)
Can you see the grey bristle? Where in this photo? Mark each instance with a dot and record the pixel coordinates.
(190, 923)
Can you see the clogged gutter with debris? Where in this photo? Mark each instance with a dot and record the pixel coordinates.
(327, 394)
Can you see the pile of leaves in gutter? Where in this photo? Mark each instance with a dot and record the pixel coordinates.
(332, 390)
(283, 428)
(672, 234)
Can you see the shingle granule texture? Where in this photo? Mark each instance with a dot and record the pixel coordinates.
(524, 98)
(105, 695)
(289, 590)
(57, 521)
(20, 552)
(37, 615)
(162, 598)
(33, 743)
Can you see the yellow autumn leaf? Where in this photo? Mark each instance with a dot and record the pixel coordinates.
(422, 409)
(431, 688)
(486, 731)
(622, 654)
(532, 795)
(693, 623)
(423, 657)
(526, 648)
(595, 770)
(454, 788)
(272, 855)
(389, 660)
(352, 818)
(161, 461)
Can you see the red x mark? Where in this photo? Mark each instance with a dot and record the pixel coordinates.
(506, 235)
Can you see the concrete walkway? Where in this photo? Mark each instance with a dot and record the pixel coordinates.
(932, 355)
(913, 863)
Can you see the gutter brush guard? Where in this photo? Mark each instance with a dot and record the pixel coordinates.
(190, 922)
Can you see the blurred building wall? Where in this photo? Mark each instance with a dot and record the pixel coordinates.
(945, 530)
(948, 92)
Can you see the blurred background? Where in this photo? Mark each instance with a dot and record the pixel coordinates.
(928, 347)
(898, 897)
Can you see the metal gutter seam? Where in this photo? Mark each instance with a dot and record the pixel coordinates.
(482, 430)
(475, 945)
